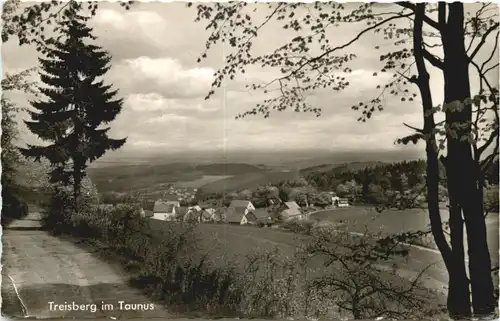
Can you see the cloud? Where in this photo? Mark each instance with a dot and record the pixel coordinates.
(153, 102)
(166, 76)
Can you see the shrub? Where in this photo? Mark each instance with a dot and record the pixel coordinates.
(299, 226)
(12, 206)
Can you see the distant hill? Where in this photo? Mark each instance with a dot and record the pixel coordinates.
(341, 158)
(353, 166)
(123, 178)
(245, 181)
(227, 169)
(298, 158)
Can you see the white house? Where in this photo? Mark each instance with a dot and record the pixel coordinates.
(196, 208)
(242, 205)
(291, 211)
(340, 202)
(343, 202)
(211, 215)
(165, 211)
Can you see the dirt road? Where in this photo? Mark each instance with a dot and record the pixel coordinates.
(48, 277)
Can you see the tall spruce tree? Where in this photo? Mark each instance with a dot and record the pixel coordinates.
(79, 106)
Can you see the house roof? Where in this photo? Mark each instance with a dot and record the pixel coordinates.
(148, 213)
(232, 216)
(206, 214)
(292, 205)
(239, 203)
(195, 208)
(211, 211)
(163, 207)
(252, 217)
(291, 212)
(239, 209)
(260, 213)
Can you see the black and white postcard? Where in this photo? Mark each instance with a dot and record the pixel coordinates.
(250, 160)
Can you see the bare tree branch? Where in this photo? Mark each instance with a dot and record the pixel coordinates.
(435, 61)
(427, 20)
(326, 53)
(483, 40)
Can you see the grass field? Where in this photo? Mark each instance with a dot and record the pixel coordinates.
(232, 243)
(389, 221)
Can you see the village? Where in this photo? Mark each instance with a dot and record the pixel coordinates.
(239, 211)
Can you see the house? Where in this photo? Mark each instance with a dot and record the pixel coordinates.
(259, 215)
(234, 215)
(242, 205)
(210, 215)
(165, 210)
(291, 205)
(196, 208)
(207, 216)
(291, 211)
(340, 202)
(290, 214)
(194, 213)
(192, 216)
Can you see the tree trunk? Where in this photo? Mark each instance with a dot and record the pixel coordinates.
(462, 171)
(458, 302)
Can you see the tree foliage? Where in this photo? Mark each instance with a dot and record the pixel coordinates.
(12, 205)
(40, 23)
(77, 104)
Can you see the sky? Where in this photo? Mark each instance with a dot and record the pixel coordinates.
(154, 49)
